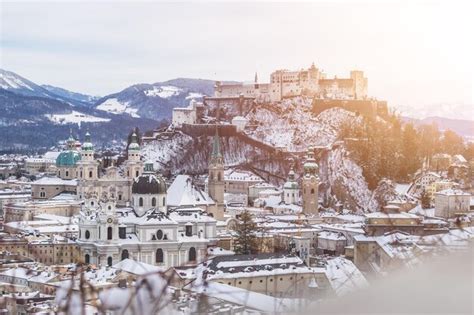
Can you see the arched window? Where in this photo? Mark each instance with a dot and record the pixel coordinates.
(192, 254)
(164, 201)
(67, 173)
(109, 261)
(87, 259)
(140, 202)
(136, 174)
(90, 174)
(219, 176)
(81, 174)
(159, 234)
(312, 190)
(87, 234)
(153, 202)
(109, 233)
(159, 255)
(124, 254)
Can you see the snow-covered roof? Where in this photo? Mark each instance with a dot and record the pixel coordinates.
(55, 181)
(238, 175)
(182, 192)
(137, 267)
(344, 276)
(452, 192)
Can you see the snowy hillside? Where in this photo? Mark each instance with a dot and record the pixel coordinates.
(74, 118)
(155, 101)
(114, 106)
(13, 82)
(347, 183)
(292, 125)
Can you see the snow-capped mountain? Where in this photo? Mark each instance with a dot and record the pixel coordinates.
(12, 82)
(155, 101)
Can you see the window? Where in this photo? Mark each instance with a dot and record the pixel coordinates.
(109, 261)
(140, 202)
(153, 202)
(164, 201)
(312, 191)
(192, 254)
(189, 230)
(159, 234)
(136, 174)
(87, 234)
(159, 256)
(122, 232)
(87, 259)
(109, 233)
(124, 254)
(67, 173)
(119, 197)
(90, 174)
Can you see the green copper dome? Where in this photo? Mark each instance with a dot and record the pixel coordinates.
(134, 146)
(68, 158)
(87, 145)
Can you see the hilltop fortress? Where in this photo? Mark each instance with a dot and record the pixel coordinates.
(285, 83)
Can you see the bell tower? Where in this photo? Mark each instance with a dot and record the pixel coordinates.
(134, 165)
(216, 176)
(310, 183)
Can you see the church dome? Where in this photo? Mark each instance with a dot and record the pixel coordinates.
(87, 145)
(149, 183)
(68, 158)
(310, 166)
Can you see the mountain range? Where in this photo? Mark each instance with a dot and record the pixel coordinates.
(34, 116)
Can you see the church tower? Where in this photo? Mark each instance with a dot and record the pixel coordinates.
(87, 166)
(310, 183)
(291, 189)
(134, 165)
(216, 177)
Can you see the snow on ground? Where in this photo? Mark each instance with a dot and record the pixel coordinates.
(291, 124)
(114, 106)
(348, 182)
(165, 91)
(193, 95)
(162, 152)
(74, 118)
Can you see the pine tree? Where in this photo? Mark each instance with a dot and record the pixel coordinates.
(246, 241)
(425, 200)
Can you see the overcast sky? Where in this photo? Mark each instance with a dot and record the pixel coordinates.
(413, 54)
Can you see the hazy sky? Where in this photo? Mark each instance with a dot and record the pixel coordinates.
(414, 54)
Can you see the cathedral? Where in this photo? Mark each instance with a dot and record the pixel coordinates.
(128, 216)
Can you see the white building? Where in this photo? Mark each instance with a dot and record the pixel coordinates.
(185, 115)
(450, 202)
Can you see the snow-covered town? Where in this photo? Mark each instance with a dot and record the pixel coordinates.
(245, 212)
(240, 159)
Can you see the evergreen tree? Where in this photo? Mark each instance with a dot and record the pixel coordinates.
(425, 200)
(246, 241)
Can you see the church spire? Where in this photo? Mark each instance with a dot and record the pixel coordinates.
(216, 146)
